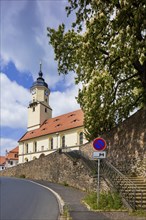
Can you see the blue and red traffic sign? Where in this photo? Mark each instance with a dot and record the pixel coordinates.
(99, 144)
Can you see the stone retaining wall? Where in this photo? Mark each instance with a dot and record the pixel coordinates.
(126, 149)
(126, 145)
(57, 168)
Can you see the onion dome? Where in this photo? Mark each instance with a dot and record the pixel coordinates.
(40, 80)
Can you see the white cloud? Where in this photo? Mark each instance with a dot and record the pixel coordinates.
(64, 102)
(24, 42)
(7, 144)
(24, 38)
(14, 100)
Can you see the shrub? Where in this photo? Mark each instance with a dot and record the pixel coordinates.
(107, 201)
(22, 176)
(65, 183)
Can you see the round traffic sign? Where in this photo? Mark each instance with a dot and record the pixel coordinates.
(99, 144)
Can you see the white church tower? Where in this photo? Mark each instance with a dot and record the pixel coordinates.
(39, 109)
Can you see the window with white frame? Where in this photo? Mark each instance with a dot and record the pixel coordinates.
(26, 148)
(35, 146)
(81, 138)
(51, 143)
(63, 141)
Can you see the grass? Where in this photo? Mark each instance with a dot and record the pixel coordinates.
(139, 213)
(107, 201)
(66, 215)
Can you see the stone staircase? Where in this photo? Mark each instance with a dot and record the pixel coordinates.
(141, 194)
(75, 155)
(132, 189)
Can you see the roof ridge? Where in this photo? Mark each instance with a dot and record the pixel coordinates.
(66, 114)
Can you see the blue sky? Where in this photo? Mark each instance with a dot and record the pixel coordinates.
(24, 43)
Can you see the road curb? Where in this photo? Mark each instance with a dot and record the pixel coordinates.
(61, 203)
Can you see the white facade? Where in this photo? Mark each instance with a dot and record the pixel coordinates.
(66, 131)
(2, 167)
(11, 163)
(36, 147)
(39, 109)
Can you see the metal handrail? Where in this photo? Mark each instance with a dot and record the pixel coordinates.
(125, 187)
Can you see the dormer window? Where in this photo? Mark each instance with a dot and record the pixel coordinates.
(57, 119)
(58, 125)
(71, 115)
(75, 120)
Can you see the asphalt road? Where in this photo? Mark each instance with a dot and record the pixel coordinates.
(24, 200)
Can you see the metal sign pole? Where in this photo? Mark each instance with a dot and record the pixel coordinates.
(99, 144)
(98, 183)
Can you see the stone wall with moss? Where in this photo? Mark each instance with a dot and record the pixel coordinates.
(126, 149)
(58, 168)
(126, 145)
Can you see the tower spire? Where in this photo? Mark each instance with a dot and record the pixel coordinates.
(40, 66)
(40, 73)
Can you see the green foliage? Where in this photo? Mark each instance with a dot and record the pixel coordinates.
(66, 214)
(65, 183)
(108, 201)
(106, 49)
(139, 213)
(22, 176)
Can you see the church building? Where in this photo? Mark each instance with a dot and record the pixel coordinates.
(46, 134)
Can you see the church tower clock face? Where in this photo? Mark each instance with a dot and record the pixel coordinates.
(39, 109)
(33, 91)
(46, 93)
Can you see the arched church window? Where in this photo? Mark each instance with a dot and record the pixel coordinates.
(63, 141)
(81, 138)
(42, 155)
(35, 146)
(51, 143)
(26, 149)
(26, 159)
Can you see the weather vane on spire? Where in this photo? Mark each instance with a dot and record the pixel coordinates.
(40, 66)
(40, 73)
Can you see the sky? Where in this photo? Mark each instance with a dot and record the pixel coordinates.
(23, 44)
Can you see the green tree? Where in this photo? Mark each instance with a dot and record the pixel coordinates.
(106, 48)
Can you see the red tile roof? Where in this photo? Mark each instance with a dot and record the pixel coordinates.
(11, 155)
(2, 160)
(53, 125)
(15, 150)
